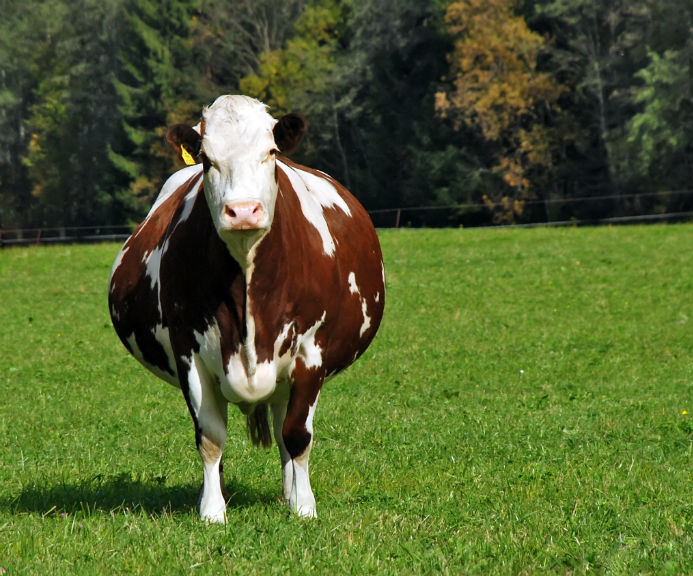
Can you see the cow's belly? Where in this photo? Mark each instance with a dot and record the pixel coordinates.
(241, 386)
(241, 379)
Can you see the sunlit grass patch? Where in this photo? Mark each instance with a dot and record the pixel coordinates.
(524, 409)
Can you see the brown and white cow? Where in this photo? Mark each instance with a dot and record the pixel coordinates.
(252, 281)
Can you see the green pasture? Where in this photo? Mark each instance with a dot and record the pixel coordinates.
(527, 408)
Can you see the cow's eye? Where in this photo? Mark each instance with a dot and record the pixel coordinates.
(271, 154)
(205, 161)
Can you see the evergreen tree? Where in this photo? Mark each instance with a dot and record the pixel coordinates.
(660, 133)
(153, 55)
(22, 29)
(73, 118)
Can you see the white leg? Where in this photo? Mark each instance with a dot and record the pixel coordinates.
(302, 500)
(212, 503)
(209, 411)
(278, 415)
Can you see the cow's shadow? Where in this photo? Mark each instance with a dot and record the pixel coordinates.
(122, 492)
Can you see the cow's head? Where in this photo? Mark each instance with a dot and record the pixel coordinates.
(236, 142)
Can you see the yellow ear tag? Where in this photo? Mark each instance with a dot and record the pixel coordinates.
(187, 158)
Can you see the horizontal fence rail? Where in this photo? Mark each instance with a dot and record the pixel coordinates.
(64, 235)
(622, 209)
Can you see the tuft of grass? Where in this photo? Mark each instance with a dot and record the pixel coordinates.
(526, 408)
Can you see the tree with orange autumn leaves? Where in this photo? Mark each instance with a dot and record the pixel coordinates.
(585, 106)
(496, 88)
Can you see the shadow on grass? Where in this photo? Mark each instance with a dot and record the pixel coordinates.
(123, 492)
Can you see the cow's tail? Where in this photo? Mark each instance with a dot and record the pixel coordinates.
(258, 426)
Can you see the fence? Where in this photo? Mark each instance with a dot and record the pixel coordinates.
(595, 210)
(64, 235)
(663, 206)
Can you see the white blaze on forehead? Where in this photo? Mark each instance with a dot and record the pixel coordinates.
(235, 127)
(238, 139)
(315, 194)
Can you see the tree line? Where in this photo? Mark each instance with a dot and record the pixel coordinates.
(503, 110)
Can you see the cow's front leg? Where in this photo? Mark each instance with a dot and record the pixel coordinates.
(297, 434)
(209, 412)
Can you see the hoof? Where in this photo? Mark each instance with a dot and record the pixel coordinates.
(304, 511)
(218, 517)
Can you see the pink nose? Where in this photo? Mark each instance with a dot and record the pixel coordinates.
(244, 215)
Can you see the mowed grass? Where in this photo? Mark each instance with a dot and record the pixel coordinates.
(526, 408)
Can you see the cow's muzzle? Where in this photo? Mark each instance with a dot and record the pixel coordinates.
(244, 216)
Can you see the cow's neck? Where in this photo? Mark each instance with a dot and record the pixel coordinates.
(243, 249)
(243, 246)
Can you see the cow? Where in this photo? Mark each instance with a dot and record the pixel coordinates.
(252, 281)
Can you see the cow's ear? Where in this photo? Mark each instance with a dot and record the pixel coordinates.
(185, 142)
(288, 132)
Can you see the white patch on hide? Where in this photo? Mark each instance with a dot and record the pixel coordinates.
(309, 349)
(366, 318)
(189, 202)
(175, 181)
(118, 261)
(353, 288)
(281, 339)
(311, 413)
(152, 262)
(164, 339)
(161, 335)
(315, 194)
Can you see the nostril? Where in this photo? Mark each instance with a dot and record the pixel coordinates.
(244, 215)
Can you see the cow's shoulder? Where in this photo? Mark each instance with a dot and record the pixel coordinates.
(141, 254)
(325, 203)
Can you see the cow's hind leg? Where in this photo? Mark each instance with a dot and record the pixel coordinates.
(209, 412)
(278, 416)
(297, 435)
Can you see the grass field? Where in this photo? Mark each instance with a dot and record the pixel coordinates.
(526, 408)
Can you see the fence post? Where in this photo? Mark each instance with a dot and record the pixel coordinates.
(399, 214)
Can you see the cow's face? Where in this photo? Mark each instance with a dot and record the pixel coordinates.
(237, 144)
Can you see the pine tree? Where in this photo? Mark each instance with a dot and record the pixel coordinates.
(71, 114)
(153, 52)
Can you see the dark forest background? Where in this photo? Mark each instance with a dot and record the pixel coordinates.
(502, 111)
